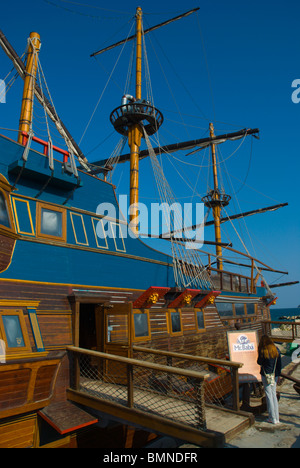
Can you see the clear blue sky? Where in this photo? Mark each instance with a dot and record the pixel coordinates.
(233, 63)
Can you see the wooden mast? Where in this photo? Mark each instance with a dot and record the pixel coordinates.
(135, 132)
(216, 207)
(29, 85)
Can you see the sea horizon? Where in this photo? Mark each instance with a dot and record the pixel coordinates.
(284, 311)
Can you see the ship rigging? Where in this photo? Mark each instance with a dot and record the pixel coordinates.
(93, 316)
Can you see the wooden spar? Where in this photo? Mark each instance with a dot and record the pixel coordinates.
(145, 32)
(135, 132)
(228, 247)
(245, 214)
(255, 260)
(280, 285)
(183, 239)
(21, 69)
(29, 84)
(172, 148)
(261, 268)
(233, 217)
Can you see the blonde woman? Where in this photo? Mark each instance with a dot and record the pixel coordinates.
(269, 359)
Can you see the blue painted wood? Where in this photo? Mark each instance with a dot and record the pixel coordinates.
(50, 263)
(87, 259)
(113, 262)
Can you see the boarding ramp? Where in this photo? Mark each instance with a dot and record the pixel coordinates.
(194, 399)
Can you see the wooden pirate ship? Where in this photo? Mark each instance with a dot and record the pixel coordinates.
(72, 278)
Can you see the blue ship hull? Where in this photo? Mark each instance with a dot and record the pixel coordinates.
(82, 258)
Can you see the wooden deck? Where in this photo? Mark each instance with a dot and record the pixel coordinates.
(222, 423)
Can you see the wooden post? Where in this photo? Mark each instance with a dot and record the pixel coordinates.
(235, 389)
(169, 376)
(130, 403)
(252, 275)
(75, 356)
(200, 405)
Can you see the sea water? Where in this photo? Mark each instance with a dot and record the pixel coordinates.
(284, 312)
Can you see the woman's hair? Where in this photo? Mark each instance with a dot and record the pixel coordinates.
(266, 348)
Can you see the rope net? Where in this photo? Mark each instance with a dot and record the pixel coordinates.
(153, 391)
(188, 397)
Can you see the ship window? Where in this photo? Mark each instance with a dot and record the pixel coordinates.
(100, 233)
(4, 217)
(23, 216)
(13, 331)
(251, 309)
(200, 319)
(175, 322)
(51, 222)
(141, 325)
(224, 309)
(79, 229)
(239, 309)
(244, 284)
(118, 237)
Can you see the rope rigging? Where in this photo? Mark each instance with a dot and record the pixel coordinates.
(188, 268)
(49, 116)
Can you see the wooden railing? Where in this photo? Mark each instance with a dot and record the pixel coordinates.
(163, 398)
(179, 359)
(228, 281)
(45, 145)
(284, 331)
(232, 281)
(131, 383)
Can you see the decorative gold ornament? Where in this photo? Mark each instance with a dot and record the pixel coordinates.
(153, 298)
(188, 299)
(211, 300)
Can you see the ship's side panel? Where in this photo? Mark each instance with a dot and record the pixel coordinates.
(19, 433)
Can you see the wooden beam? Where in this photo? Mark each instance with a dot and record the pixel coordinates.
(264, 269)
(218, 362)
(145, 32)
(280, 285)
(136, 362)
(172, 148)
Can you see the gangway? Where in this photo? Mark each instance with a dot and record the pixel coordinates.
(161, 398)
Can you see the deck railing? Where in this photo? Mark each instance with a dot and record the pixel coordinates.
(234, 281)
(222, 380)
(162, 391)
(45, 145)
(284, 331)
(228, 281)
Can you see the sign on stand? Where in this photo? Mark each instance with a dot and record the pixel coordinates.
(243, 347)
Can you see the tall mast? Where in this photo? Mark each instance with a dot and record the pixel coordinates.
(217, 207)
(29, 84)
(215, 199)
(135, 132)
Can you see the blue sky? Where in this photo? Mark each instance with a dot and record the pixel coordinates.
(233, 64)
